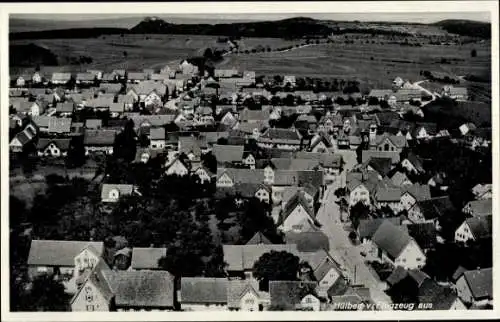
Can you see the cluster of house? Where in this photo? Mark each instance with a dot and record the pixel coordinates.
(134, 281)
(403, 241)
(287, 168)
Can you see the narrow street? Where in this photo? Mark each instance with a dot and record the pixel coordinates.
(341, 248)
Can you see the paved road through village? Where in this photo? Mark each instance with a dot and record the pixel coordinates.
(341, 247)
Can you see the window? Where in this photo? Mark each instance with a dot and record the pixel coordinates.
(90, 308)
(404, 260)
(419, 259)
(386, 147)
(42, 269)
(249, 301)
(89, 297)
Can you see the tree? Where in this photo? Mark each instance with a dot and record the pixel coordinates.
(357, 212)
(47, 294)
(255, 218)
(125, 144)
(209, 161)
(275, 266)
(473, 53)
(340, 192)
(208, 54)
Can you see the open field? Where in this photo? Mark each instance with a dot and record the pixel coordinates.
(142, 51)
(355, 61)
(107, 52)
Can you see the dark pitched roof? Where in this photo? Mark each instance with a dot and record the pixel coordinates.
(435, 207)
(309, 241)
(62, 144)
(99, 137)
(480, 282)
(258, 238)
(480, 226)
(382, 165)
(59, 252)
(391, 238)
(147, 258)
(288, 294)
(142, 288)
(424, 234)
(203, 290)
(441, 298)
(368, 227)
(418, 191)
(415, 161)
(228, 153)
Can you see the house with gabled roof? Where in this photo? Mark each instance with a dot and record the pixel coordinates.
(60, 78)
(112, 192)
(475, 229)
(413, 193)
(320, 143)
(177, 167)
(360, 186)
(294, 295)
(482, 207)
(85, 78)
(53, 147)
(22, 138)
(413, 163)
(244, 295)
(65, 258)
(388, 142)
(203, 173)
(430, 210)
(146, 258)
(475, 287)
(136, 77)
(297, 215)
(395, 246)
(109, 290)
(203, 293)
(99, 141)
(388, 197)
(284, 139)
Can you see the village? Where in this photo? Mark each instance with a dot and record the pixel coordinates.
(362, 196)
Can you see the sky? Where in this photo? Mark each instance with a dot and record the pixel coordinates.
(420, 17)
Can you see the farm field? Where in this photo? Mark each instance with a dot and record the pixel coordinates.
(351, 61)
(142, 51)
(108, 52)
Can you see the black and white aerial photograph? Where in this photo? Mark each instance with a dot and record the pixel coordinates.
(326, 161)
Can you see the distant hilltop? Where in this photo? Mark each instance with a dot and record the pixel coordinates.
(291, 28)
